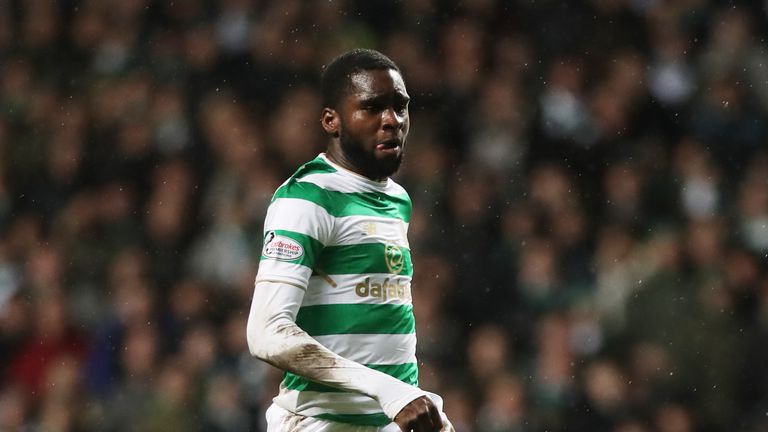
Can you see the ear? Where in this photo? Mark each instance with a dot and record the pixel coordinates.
(331, 122)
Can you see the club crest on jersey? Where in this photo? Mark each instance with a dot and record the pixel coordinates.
(281, 247)
(394, 257)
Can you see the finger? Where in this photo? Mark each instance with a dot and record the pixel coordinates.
(423, 416)
(411, 416)
(406, 424)
(426, 418)
(429, 416)
(410, 421)
(434, 415)
(422, 424)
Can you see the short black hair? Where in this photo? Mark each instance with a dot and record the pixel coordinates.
(336, 77)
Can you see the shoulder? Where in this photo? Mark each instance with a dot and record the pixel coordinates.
(317, 165)
(395, 189)
(303, 184)
(400, 198)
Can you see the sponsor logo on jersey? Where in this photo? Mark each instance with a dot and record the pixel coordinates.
(281, 247)
(395, 258)
(383, 290)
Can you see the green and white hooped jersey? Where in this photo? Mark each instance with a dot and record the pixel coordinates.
(344, 238)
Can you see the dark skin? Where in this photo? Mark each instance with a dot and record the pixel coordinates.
(368, 130)
(420, 415)
(369, 126)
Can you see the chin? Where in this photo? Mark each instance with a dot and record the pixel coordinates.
(389, 166)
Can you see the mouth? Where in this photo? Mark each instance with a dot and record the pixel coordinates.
(391, 146)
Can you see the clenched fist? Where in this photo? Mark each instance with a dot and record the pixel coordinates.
(420, 415)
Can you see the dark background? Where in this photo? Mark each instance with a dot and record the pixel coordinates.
(590, 188)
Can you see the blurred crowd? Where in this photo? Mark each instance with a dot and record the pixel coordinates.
(590, 189)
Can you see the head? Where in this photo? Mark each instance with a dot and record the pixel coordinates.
(365, 113)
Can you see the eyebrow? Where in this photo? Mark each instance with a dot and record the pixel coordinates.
(399, 97)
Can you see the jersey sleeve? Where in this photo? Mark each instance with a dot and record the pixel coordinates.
(296, 229)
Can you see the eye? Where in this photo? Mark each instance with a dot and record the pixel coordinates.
(372, 107)
(401, 105)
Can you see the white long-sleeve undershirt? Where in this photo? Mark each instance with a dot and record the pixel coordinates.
(274, 337)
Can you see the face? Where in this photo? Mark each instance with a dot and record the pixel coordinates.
(372, 123)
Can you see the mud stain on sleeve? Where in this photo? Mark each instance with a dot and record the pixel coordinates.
(302, 355)
(295, 423)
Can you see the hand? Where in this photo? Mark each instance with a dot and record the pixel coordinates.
(420, 415)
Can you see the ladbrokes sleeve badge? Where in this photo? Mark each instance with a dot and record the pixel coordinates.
(281, 247)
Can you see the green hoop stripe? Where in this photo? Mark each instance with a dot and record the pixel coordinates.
(407, 373)
(366, 258)
(379, 419)
(340, 204)
(340, 319)
(315, 166)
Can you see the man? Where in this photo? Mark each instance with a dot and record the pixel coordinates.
(332, 304)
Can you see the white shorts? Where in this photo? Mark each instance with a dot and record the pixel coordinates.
(281, 420)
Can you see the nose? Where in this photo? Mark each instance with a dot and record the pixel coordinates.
(391, 119)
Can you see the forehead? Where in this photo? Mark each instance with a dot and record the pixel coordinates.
(376, 82)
